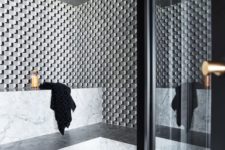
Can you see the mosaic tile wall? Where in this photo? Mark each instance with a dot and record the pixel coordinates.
(90, 45)
(183, 35)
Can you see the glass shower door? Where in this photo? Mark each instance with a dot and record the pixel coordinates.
(182, 101)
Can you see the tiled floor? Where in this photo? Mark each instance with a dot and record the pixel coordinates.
(75, 136)
(94, 137)
(165, 144)
(107, 144)
(101, 144)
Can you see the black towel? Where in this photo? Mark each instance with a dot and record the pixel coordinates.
(184, 103)
(62, 103)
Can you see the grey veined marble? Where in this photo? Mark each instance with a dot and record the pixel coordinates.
(166, 116)
(101, 144)
(27, 114)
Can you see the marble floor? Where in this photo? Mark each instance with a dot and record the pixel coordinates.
(101, 144)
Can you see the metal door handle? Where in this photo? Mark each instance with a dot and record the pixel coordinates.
(210, 67)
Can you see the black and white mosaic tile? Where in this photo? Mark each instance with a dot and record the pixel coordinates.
(183, 37)
(90, 45)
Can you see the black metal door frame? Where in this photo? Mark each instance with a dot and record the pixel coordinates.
(218, 83)
(145, 43)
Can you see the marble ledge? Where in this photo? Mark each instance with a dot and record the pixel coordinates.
(30, 111)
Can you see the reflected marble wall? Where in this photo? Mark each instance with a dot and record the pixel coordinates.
(27, 114)
(167, 117)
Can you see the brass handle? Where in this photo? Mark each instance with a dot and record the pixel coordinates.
(209, 67)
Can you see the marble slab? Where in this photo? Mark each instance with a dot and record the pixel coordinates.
(89, 107)
(101, 144)
(27, 114)
(166, 116)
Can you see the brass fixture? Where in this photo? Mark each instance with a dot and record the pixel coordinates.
(209, 67)
(35, 80)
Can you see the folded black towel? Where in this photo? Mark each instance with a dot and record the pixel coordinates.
(184, 103)
(62, 103)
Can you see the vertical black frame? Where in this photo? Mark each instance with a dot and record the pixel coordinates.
(145, 44)
(218, 83)
(140, 74)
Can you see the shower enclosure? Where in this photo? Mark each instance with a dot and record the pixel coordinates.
(185, 74)
(182, 105)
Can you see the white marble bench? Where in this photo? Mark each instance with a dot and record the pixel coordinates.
(27, 114)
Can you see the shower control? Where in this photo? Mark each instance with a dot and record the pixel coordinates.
(210, 67)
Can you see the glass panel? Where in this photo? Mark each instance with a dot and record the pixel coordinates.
(182, 103)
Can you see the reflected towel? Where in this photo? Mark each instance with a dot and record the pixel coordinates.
(184, 103)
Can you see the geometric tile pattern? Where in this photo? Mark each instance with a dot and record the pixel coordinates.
(36, 35)
(183, 36)
(90, 45)
(107, 30)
